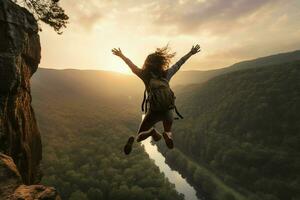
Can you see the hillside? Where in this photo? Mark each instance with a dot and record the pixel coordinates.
(194, 77)
(266, 61)
(245, 127)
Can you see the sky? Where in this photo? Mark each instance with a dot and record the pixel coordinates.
(228, 31)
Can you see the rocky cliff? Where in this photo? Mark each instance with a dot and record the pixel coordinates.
(20, 141)
(20, 54)
(11, 187)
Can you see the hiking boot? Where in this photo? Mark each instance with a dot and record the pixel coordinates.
(128, 146)
(156, 135)
(168, 139)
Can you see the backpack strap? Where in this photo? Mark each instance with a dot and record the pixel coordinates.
(145, 99)
(177, 112)
(144, 106)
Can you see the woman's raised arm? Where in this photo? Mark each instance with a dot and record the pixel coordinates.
(172, 70)
(130, 64)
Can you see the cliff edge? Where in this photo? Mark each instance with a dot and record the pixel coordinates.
(20, 140)
(20, 54)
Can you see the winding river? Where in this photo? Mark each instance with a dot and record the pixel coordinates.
(181, 185)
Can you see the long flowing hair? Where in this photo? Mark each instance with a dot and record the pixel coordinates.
(159, 61)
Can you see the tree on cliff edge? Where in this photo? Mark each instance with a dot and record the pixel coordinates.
(47, 11)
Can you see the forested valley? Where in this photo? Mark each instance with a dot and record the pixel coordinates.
(239, 138)
(245, 128)
(83, 137)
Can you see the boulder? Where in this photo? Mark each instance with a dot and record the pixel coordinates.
(10, 178)
(34, 192)
(11, 187)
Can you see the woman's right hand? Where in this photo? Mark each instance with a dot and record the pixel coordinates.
(195, 49)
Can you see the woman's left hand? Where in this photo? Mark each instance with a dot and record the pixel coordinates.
(195, 49)
(117, 52)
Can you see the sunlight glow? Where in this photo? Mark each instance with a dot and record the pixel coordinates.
(139, 28)
(117, 68)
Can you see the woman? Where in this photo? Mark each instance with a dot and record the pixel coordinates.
(156, 69)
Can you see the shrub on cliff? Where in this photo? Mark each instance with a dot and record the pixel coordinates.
(47, 11)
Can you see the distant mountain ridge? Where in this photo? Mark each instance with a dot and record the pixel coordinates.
(101, 79)
(267, 60)
(195, 77)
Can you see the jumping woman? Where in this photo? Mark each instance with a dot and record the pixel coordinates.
(159, 100)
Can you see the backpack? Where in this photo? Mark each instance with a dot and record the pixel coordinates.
(160, 96)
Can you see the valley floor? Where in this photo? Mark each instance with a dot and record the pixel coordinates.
(200, 177)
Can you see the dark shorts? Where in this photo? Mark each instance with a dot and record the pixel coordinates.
(151, 118)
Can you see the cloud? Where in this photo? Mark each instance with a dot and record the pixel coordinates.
(246, 51)
(210, 15)
(84, 14)
(228, 30)
(171, 16)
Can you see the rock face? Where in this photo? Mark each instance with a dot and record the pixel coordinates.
(34, 192)
(10, 177)
(19, 58)
(11, 187)
(20, 54)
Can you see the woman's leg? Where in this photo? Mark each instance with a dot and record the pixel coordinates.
(167, 125)
(146, 128)
(148, 122)
(168, 120)
(167, 134)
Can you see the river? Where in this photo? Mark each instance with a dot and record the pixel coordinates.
(181, 185)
